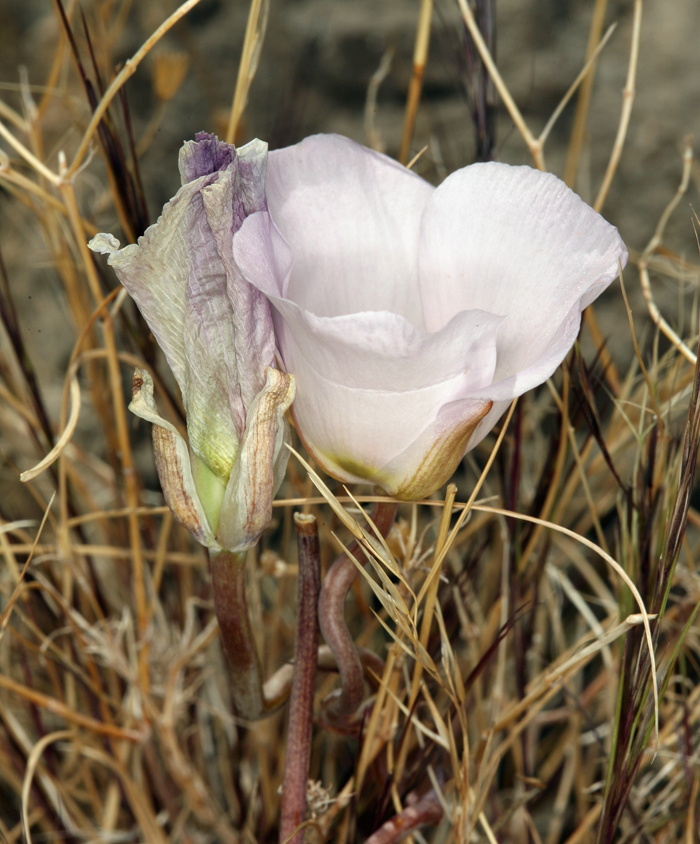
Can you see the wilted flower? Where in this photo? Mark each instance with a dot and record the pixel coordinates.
(216, 332)
(411, 316)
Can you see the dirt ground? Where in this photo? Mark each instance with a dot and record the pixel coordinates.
(316, 63)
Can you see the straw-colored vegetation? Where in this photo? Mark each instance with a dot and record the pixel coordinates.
(537, 622)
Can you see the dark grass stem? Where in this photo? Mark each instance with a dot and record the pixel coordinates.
(344, 702)
(301, 701)
(484, 102)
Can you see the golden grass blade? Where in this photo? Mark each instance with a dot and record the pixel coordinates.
(583, 75)
(65, 437)
(420, 57)
(627, 102)
(125, 73)
(250, 55)
(32, 764)
(584, 99)
(620, 571)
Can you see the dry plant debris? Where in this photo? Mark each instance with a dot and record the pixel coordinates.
(535, 630)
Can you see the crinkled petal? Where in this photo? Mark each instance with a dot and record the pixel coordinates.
(204, 155)
(517, 242)
(215, 329)
(353, 217)
(253, 332)
(211, 392)
(178, 281)
(173, 463)
(247, 506)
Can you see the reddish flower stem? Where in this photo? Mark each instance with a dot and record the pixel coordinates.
(424, 811)
(228, 586)
(301, 701)
(343, 703)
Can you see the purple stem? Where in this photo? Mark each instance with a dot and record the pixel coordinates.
(228, 585)
(343, 703)
(426, 810)
(301, 701)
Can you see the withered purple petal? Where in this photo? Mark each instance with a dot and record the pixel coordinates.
(253, 334)
(203, 156)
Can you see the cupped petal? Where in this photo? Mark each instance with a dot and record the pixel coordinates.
(173, 463)
(368, 384)
(352, 217)
(514, 241)
(432, 458)
(372, 349)
(259, 468)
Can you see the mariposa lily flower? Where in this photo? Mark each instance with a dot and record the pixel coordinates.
(217, 334)
(411, 316)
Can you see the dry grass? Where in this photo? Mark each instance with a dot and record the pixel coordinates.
(525, 634)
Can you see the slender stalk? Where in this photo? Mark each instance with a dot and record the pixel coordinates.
(331, 615)
(228, 586)
(533, 144)
(483, 93)
(627, 102)
(425, 811)
(125, 73)
(584, 98)
(130, 479)
(301, 702)
(250, 55)
(420, 57)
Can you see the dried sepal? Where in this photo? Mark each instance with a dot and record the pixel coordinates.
(173, 463)
(259, 468)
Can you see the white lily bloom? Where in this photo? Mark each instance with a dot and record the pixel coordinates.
(412, 316)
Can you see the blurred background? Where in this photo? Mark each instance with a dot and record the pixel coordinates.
(315, 67)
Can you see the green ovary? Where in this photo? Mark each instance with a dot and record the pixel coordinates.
(351, 466)
(210, 489)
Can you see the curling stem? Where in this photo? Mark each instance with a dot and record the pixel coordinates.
(331, 615)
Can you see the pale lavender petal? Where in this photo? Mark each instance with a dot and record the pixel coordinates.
(371, 349)
(368, 384)
(370, 435)
(352, 217)
(433, 457)
(518, 242)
